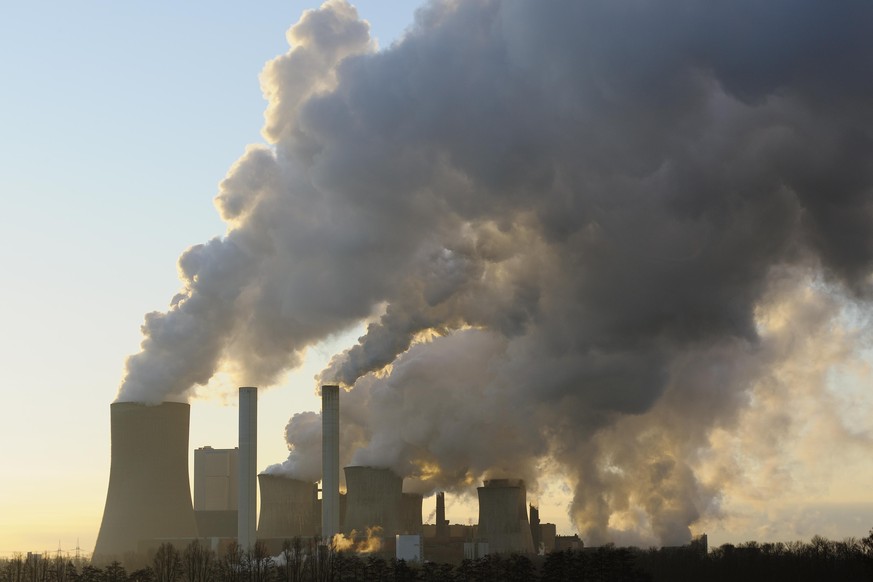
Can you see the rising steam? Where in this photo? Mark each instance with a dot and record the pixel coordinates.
(595, 233)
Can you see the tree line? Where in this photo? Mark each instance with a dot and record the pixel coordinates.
(308, 561)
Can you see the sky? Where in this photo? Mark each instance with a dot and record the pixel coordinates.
(120, 122)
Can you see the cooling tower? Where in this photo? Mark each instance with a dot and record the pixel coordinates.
(410, 517)
(248, 460)
(330, 504)
(149, 493)
(503, 516)
(374, 499)
(288, 507)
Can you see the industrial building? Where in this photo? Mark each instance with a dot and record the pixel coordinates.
(216, 491)
(149, 498)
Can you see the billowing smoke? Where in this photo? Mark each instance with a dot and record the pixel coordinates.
(575, 224)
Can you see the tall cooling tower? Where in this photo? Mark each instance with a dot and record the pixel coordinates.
(288, 507)
(149, 493)
(411, 514)
(503, 516)
(374, 499)
(330, 497)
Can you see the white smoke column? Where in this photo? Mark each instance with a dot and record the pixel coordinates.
(254, 299)
(587, 224)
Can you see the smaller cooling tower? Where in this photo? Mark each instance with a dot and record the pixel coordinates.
(374, 499)
(149, 494)
(411, 514)
(288, 507)
(503, 517)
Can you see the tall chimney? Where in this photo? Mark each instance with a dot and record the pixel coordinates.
(442, 524)
(330, 506)
(248, 460)
(535, 526)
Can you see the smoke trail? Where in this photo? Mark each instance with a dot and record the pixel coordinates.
(588, 207)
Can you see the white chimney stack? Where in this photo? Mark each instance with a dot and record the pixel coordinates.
(330, 462)
(248, 460)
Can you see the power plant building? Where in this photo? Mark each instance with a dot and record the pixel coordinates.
(149, 498)
(410, 514)
(216, 475)
(216, 492)
(149, 494)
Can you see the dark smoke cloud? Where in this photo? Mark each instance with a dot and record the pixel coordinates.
(587, 206)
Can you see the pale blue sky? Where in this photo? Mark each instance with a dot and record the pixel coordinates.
(117, 121)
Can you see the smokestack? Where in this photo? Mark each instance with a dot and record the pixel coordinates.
(374, 499)
(535, 527)
(503, 517)
(288, 507)
(330, 509)
(248, 460)
(442, 524)
(149, 494)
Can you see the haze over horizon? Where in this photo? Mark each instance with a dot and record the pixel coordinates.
(623, 251)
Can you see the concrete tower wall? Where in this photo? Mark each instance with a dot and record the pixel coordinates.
(411, 514)
(374, 499)
(248, 461)
(330, 505)
(288, 507)
(503, 516)
(149, 494)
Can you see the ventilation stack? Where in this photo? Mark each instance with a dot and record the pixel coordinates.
(410, 522)
(287, 507)
(330, 504)
(374, 499)
(248, 461)
(442, 524)
(503, 517)
(535, 533)
(149, 494)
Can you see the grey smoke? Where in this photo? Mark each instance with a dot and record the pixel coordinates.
(588, 205)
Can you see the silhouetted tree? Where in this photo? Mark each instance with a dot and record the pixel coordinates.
(260, 565)
(167, 564)
(519, 568)
(197, 562)
(115, 572)
(142, 575)
(90, 574)
(230, 567)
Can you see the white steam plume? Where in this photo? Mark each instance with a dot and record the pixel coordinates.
(592, 203)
